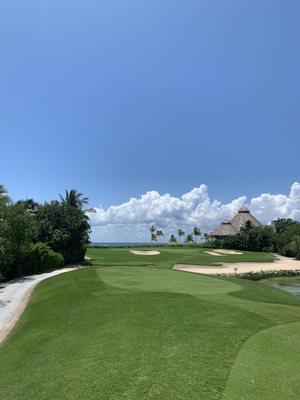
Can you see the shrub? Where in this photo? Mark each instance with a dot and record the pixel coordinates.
(17, 229)
(38, 258)
(259, 275)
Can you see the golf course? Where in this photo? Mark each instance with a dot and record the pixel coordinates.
(129, 327)
(169, 256)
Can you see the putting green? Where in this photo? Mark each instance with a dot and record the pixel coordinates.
(151, 279)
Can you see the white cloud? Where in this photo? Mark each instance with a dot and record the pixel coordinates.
(130, 221)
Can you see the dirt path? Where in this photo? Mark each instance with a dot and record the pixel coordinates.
(282, 263)
(14, 296)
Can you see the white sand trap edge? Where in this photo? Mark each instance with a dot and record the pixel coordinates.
(282, 263)
(212, 253)
(145, 252)
(223, 251)
(14, 297)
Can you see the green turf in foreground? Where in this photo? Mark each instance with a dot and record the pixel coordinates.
(268, 365)
(126, 333)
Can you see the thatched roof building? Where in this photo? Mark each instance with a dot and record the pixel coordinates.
(244, 215)
(238, 222)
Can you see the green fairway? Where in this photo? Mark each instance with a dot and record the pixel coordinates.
(170, 256)
(134, 333)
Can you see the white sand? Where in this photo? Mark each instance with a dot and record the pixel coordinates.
(223, 251)
(212, 253)
(282, 263)
(14, 296)
(145, 252)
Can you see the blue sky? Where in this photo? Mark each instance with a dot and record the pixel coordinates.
(116, 98)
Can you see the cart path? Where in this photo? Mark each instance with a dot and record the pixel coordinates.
(14, 296)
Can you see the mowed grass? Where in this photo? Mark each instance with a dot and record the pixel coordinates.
(170, 256)
(134, 333)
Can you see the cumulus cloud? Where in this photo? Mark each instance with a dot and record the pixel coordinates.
(130, 221)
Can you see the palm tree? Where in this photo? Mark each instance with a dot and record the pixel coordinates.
(173, 239)
(29, 204)
(180, 233)
(74, 199)
(189, 238)
(153, 237)
(196, 232)
(159, 234)
(4, 198)
(248, 225)
(153, 232)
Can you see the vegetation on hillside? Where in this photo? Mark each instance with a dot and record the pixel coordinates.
(38, 237)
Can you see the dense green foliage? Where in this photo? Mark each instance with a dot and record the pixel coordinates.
(288, 241)
(140, 333)
(18, 229)
(282, 224)
(285, 239)
(38, 257)
(62, 226)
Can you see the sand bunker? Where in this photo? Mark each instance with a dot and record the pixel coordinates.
(223, 251)
(212, 253)
(282, 263)
(145, 252)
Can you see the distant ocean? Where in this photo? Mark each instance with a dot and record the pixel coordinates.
(124, 244)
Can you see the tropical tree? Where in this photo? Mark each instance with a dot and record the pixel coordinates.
(153, 233)
(197, 232)
(153, 237)
(74, 199)
(29, 205)
(282, 224)
(248, 225)
(17, 229)
(180, 233)
(4, 197)
(64, 229)
(159, 234)
(173, 240)
(189, 238)
(296, 246)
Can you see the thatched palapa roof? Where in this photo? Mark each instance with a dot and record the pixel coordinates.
(244, 215)
(225, 229)
(232, 227)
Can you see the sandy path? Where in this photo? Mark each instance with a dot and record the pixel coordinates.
(282, 263)
(14, 296)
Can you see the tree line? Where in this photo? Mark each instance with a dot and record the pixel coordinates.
(190, 238)
(39, 237)
(282, 237)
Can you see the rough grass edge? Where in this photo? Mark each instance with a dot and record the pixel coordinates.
(259, 275)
